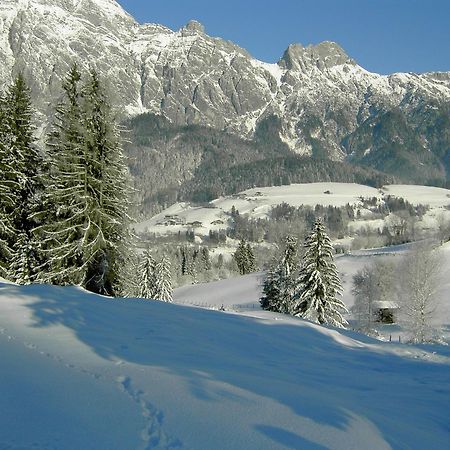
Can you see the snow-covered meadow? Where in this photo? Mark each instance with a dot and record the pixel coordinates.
(257, 203)
(81, 371)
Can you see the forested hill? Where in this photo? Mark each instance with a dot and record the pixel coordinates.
(193, 163)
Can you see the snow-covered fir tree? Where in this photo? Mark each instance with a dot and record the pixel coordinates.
(131, 277)
(87, 241)
(147, 276)
(191, 268)
(245, 258)
(206, 260)
(9, 191)
(318, 281)
(21, 181)
(251, 259)
(240, 257)
(163, 280)
(109, 188)
(23, 263)
(67, 195)
(279, 284)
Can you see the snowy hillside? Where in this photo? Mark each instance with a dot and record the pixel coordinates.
(257, 202)
(81, 371)
(242, 294)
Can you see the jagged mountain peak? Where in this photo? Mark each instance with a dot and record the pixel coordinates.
(326, 54)
(84, 7)
(194, 26)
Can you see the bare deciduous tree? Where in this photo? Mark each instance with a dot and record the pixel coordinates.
(373, 285)
(419, 281)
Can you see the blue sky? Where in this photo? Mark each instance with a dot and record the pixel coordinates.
(383, 36)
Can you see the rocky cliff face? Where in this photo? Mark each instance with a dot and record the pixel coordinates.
(328, 105)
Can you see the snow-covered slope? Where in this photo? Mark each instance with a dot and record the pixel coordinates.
(257, 202)
(84, 371)
(242, 294)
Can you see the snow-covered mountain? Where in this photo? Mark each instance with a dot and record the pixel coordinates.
(327, 104)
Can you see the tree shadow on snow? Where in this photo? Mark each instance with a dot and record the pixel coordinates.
(288, 439)
(300, 367)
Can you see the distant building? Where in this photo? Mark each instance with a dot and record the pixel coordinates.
(195, 224)
(172, 219)
(386, 311)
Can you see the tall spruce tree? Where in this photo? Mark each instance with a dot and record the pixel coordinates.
(245, 258)
(251, 259)
(147, 276)
(67, 196)
(87, 241)
(109, 192)
(206, 260)
(163, 280)
(241, 258)
(9, 191)
(279, 285)
(22, 183)
(318, 282)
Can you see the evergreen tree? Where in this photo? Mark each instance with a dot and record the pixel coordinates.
(21, 182)
(184, 260)
(131, 276)
(147, 276)
(163, 281)
(192, 268)
(67, 200)
(109, 192)
(240, 257)
(87, 241)
(9, 191)
(23, 263)
(251, 260)
(279, 284)
(206, 260)
(245, 258)
(318, 282)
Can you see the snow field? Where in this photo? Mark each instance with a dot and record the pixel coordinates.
(84, 371)
(257, 202)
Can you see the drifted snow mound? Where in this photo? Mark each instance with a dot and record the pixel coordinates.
(80, 371)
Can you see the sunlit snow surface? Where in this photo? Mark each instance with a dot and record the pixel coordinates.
(80, 371)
